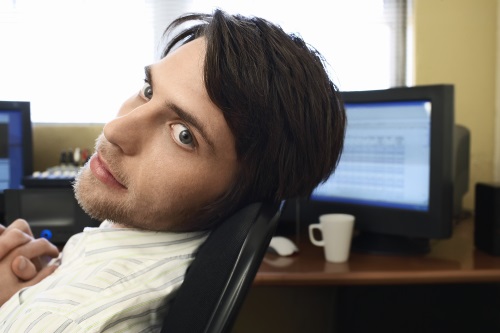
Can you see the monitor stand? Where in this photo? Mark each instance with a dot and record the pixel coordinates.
(375, 243)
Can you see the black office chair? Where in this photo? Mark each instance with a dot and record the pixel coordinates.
(220, 277)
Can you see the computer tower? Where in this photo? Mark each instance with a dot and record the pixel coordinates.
(52, 213)
(487, 218)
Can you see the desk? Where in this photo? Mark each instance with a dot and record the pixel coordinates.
(453, 260)
(455, 288)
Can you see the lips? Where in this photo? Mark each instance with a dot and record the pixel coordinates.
(102, 172)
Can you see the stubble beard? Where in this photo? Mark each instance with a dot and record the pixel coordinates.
(121, 211)
(98, 205)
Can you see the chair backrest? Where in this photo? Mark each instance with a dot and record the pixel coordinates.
(220, 277)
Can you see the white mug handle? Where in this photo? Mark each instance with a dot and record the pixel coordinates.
(311, 234)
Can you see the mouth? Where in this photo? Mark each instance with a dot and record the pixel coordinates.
(102, 172)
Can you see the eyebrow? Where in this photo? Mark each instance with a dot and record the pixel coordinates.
(184, 115)
(147, 73)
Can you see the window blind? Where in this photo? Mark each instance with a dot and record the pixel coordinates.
(76, 61)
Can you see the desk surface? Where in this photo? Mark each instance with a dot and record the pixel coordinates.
(453, 260)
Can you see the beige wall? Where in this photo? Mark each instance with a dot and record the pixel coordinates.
(455, 42)
(497, 136)
(49, 140)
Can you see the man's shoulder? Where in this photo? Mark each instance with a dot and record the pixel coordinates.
(111, 279)
(114, 292)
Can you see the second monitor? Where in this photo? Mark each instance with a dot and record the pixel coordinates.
(396, 171)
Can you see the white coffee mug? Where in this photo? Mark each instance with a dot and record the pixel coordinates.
(336, 230)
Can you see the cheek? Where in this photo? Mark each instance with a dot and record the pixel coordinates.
(184, 184)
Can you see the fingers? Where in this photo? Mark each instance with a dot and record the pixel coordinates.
(16, 234)
(11, 239)
(23, 268)
(37, 249)
(40, 276)
(21, 225)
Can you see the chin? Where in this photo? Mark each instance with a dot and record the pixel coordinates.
(97, 205)
(101, 206)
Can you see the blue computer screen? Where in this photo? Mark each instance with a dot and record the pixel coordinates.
(11, 149)
(386, 157)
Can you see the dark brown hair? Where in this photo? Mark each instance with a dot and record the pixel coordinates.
(276, 97)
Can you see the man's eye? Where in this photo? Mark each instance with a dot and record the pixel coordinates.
(182, 135)
(147, 91)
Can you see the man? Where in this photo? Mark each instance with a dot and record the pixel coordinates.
(236, 111)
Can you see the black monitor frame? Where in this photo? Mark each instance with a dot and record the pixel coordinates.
(24, 108)
(417, 226)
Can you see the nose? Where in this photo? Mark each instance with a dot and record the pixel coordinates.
(128, 131)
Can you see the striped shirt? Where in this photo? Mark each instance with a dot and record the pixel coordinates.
(109, 280)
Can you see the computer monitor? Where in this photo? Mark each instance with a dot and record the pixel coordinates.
(16, 145)
(395, 172)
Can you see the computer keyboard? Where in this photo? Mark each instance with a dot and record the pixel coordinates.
(62, 175)
(57, 176)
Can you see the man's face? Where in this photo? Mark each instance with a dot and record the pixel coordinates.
(167, 154)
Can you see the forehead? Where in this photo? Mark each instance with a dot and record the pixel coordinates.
(184, 68)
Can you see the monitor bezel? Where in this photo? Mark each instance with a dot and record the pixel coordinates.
(436, 223)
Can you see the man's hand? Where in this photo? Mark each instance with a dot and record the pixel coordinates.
(23, 259)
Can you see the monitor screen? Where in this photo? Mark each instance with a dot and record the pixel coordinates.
(395, 172)
(15, 144)
(385, 161)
